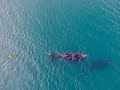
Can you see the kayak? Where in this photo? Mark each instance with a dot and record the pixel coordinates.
(12, 54)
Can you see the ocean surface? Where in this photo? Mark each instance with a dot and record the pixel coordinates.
(31, 28)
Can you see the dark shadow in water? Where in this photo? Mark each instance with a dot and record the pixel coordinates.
(99, 64)
(96, 65)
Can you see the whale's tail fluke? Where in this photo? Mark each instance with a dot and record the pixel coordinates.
(52, 56)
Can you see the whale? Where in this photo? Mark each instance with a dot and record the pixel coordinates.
(68, 56)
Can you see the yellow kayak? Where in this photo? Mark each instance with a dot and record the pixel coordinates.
(12, 54)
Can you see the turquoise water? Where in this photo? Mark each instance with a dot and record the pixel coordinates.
(33, 27)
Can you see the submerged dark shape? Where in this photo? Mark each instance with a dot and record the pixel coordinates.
(67, 56)
(99, 64)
